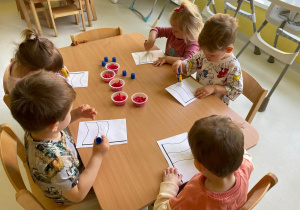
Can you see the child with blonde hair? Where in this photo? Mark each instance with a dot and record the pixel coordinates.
(218, 70)
(33, 53)
(217, 145)
(42, 103)
(186, 24)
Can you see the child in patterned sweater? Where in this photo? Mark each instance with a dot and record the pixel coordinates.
(217, 68)
(42, 104)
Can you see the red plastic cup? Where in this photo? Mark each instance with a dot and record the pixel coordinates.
(114, 84)
(118, 98)
(113, 66)
(107, 75)
(139, 99)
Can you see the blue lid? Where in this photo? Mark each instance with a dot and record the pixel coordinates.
(106, 59)
(114, 59)
(124, 72)
(132, 76)
(99, 140)
(103, 63)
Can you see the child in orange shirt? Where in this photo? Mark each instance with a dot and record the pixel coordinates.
(217, 145)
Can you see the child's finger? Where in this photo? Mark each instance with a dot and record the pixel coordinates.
(180, 177)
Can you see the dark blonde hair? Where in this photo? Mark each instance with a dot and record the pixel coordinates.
(189, 20)
(41, 99)
(218, 144)
(36, 52)
(218, 33)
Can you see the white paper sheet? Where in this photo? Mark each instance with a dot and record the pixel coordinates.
(178, 154)
(184, 92)
(78, 79)
(147, 57)
(114, 130)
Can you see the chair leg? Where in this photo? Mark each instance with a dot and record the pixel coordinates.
(47, 18)
(264, 104)
(82, 18)
(93, 9)
(76, 19)
(52, 18)
(271, 58)
(155, 23)
(256, 49)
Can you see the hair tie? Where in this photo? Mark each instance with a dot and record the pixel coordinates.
(179, 9)
(37, 38)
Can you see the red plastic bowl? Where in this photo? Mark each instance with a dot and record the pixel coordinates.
(117, 98)
(104, 75)
(113, 66)
(116, 81)
(139, 99)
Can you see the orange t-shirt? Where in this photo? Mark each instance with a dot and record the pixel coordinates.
(196, 196)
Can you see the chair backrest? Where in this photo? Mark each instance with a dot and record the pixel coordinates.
(254, 92)
(10, 148)
(259, 190)
(95, 34)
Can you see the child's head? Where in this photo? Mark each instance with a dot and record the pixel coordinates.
(40, 100)
(36, 53)
(217, 36)
(186, 21)
(218, 144)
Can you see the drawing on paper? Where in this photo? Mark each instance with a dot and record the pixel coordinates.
(114, 130)
(178, 154)
(147, 57)
(78, 79)
(184, 91)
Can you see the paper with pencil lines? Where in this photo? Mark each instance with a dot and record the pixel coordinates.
(177, 152)
(184, 91)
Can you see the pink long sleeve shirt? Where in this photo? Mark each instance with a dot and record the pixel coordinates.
(177, 47)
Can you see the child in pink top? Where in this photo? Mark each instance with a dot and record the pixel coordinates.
(33, 54)
(186, 23)
(217, 145)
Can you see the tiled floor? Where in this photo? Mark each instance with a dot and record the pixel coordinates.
(278, 149)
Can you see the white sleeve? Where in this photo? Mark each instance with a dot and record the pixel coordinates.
(167, 191)
(247, 156)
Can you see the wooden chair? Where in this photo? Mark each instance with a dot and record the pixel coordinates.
(259, 191)
(254, 92)
(66, 10)
(95, 34)
(92, 7)
(10, 149)
(254, 195)
(39, 7)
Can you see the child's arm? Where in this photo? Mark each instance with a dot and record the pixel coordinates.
(84, 111)
(168, 188)
(234, 83)
(166, 59)
(88, 176)
(210, 89)
(151, 40)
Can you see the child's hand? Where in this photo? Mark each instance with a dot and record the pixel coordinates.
(85, 111)
(177, 65)
(101, 149)
(149, 44)
(160, 61)
(171, 175)
(204, 91)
